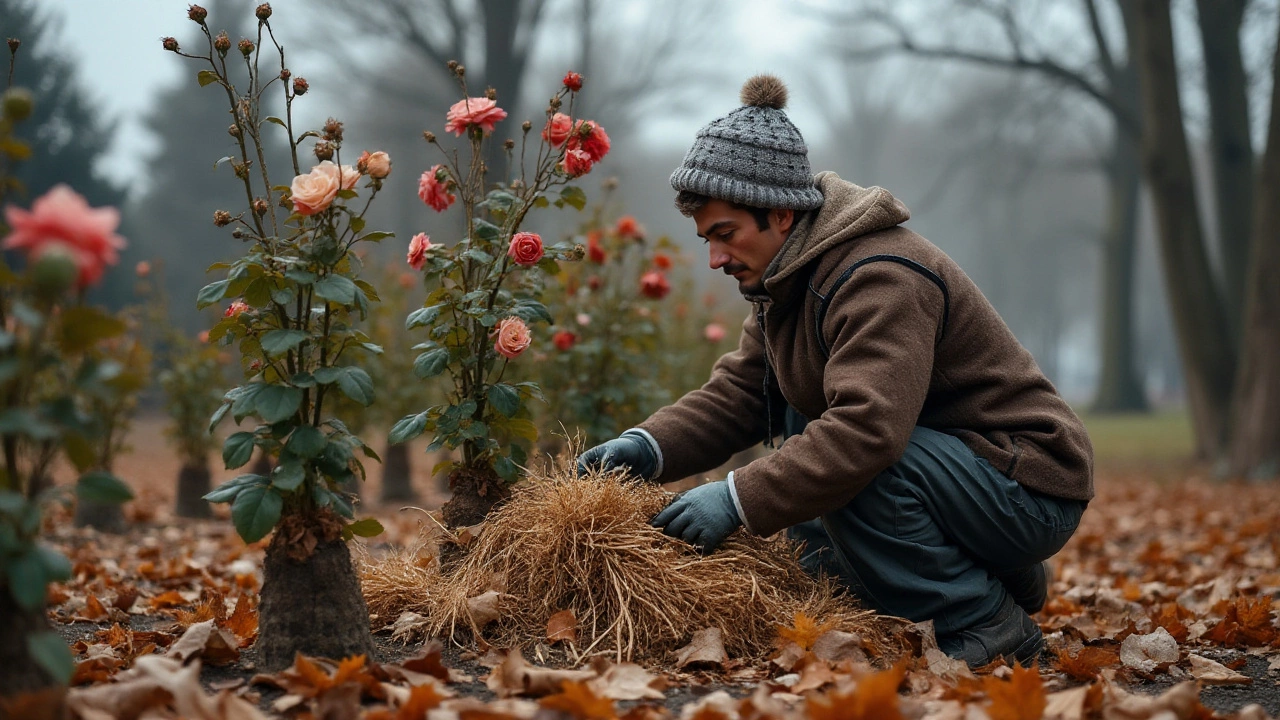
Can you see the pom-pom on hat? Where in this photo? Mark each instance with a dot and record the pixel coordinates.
(752, 156)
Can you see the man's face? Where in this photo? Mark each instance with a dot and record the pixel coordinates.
(737, 245)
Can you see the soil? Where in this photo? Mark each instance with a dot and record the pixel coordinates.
(475, 493)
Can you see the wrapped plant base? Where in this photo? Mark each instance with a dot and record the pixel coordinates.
(193, 483)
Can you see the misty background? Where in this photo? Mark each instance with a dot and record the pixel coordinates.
(1008, 167)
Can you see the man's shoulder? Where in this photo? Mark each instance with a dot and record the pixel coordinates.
(897, 245)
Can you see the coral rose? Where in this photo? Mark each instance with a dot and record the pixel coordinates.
(512, 337)
(526, 248)
(662, 261)
(564, 339)
(434, 189)
(478, 111)
(713, 332)
(62, 218)
(314, 192)
(573, 81)
(419, 246)
(627, 227)
(575, 163)
(595, 252)
(591, 138)
(407, 280)
(653, 284)
(557, 129)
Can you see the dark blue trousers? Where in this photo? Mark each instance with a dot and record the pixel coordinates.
(927, 538)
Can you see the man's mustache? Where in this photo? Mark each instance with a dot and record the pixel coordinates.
(731, 269)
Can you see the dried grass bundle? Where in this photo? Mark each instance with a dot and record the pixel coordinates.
(585, 545)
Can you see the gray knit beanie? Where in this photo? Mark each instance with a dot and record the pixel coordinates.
(753, 156)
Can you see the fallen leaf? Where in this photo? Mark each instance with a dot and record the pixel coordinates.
(945, 666)
(407, 625)
(1145, 652)
(563, 626)
(789, 657)
(577, 700)
(1022, 697)
(243, 622)
(1086, 664)
(804, 630)
(706, 648)
(429, 661)
(513, 676)
(837, 646)
(125, 595)
(484, 608)
(814, 674)
(205, 640)
(875, 697)
(1210, 672)
(93, 609)
(46, 704)
(627, 681)
(167, 600)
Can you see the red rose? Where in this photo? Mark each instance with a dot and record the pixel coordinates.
(595, 253)
(590, 137)
(573, 81)
(557, 129)
(564, 339)
(662, 261)
(653, 284)
(526, 248)
(433, 191)
(576, 162)
(594, 282)
(480, 111)
(627, 227)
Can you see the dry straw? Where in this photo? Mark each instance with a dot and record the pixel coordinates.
(585, 545)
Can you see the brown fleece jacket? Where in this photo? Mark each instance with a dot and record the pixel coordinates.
(906, 339)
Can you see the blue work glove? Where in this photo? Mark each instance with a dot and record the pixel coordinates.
(631, 450)
(702, 517)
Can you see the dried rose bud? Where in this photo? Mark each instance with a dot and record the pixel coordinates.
(491, 93)
(610, 183)
(428, 136)
(263, 11)
(509, 144)
(452, 65)
(300, 86)
(233, 130)
(460, 71)
(241, 170)
(526, 126)
(197, 13)
(14, 44)
(170, 44)
(285, 74)
(324, 150)
(221, 218)
(573, 81)
(246, 47)
(222, 44)
(260, 206)
(554, 104)
(238, 234)
(333, 130)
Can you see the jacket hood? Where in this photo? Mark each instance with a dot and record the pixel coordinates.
(848, 211)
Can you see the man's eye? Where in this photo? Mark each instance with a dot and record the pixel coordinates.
(724, 236)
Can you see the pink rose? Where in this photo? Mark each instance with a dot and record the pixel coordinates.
(575, 163)
(526, 248)
(346, 175)
(589, 136)
(376, 164)
(419, 246)
(653, 284)
(142, 269)
(235, 308)
(203, 336)
(62, 217)
(557, 129)
(433, 191)
(314, 192)
(473, 111)
(512, 337)
(714, 332)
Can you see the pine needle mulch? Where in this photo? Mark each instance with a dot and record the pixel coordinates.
(585, 546)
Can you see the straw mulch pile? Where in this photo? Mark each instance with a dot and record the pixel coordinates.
(585, 545)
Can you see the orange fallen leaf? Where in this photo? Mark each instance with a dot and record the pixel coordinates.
(243, 621)
(875, 697)
(167, 600)
(706, 648)
(1086, 664)
(804, 630)
(563, 626)
(93, 609)
(1021, 697)
(578, 701)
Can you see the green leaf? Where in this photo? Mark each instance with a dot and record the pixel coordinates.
(505, 468)
(211, 293)
(369, 290)
(83, 326)
(56, 565)
(422, 316)
(277, 402)
(347, 194)
(228, 490)
(431, 363)
(102, 488)
(336, 288)
(51, 653)
(276, 120)
(357, 224)
(327, 375)
(504, 398)
(27, 579)
(303, 380)
(407, 428)
(306, 442)
(531, 311)
(357, 385)
(479, 256)
(377, 235)
(288, 475)
(206, 77)
(486, 230)
(278, 342)
(300, 276)
(573, 195)
(368, 527)
(237, 449)
(255, 511)
(218, 414)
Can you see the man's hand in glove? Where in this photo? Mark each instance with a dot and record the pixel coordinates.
(702, 517)
(631, 449)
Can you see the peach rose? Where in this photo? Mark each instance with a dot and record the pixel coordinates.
(346, 175)
(526, 248)
(433, 189)
(314, 192)
(576, 162)
(512, 337)
(63, 218)
(557, 129)
(653, 284)
(419, 246)
(478, 111)
(713, 332)
(376, 164)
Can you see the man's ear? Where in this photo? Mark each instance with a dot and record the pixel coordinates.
(783, 219)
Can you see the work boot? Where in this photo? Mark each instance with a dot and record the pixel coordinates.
(1011, 634)
(1029, 586)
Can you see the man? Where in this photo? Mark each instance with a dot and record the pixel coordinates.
(927, 462)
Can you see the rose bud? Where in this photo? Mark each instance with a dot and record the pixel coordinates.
(509, 144)
(170, 44)
(324, 150)
(14, 44)
(246, 47)
(573, 81)
(237, 233)
(378, 165)
(260, 206)
(300, 86)
(526, 248)
(285, 74)
(452, 65)
(263, 11)
(564, 339)
(222, 44)
(333, 130)
(221, 218)
(234, 131)
(428, 136)
(54, 271)
(526, 126)
(197, 13)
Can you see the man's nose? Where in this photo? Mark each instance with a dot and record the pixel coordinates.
(718, 257)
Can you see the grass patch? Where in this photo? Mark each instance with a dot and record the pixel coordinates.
(1138, 438)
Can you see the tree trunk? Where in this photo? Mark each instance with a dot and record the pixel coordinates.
(397, 475)
(503, 68)
(1231, 149)
(1203, 338)
(1255, 422)
(313, 605)
(1119, 388)
(21, 673)
(107, 518)
(194, 483)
